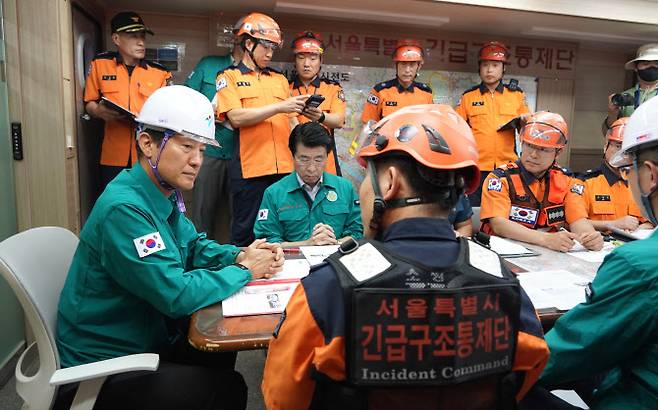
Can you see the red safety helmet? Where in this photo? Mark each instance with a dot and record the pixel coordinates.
(259, 26)
(434, 135)
(408, 50)
(494, 51)
(308, 42)
(545, 129)
(616, 132)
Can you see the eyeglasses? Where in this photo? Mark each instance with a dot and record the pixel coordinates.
(307, 161)
(624, 171)
(269, 45)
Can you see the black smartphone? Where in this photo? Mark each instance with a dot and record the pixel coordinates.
(314, 101)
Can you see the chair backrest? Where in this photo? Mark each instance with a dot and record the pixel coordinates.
(475, 219)
(35, 264)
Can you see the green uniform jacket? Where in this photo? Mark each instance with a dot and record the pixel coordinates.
(644, 95)
(115, 302)
(202, 79)
(287, 214)
(616, 331)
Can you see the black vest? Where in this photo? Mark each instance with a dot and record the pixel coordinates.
(414, 326)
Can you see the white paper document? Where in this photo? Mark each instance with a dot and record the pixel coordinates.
(259, 299)
(508, 249)
(554, 288)
(292, 269)
(315, 255)
(637, 234)
(580, 252)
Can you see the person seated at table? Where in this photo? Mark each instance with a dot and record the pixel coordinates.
(383, 313)
(460, 217)
(309, 206)
(533, 200)
(607, 197)
(614, 331)
(141, 265)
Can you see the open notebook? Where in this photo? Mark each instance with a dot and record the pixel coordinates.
(509, 249)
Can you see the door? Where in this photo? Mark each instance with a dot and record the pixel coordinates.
(87, 42)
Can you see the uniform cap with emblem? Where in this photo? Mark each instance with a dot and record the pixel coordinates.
(307, 42)
(494, 51)
(408, 50)
(128, 22)
(545, 129)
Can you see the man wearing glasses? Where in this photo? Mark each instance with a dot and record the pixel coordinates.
(309, 206)
(256, 102)
(607, 197)
(533, 200)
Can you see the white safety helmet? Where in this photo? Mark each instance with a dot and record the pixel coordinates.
(182, 110)
(642, 129)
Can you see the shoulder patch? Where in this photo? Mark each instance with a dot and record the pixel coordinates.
(589, 174)
(149, 244)
(423, 86)
(386, 84)
(578, 189)
(106, 55)
(494, 185)
(157, 65)
(373, 99)
(499, 172)
(475, 87)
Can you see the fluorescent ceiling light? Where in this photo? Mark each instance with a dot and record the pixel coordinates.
(585, 35)
(360, 14)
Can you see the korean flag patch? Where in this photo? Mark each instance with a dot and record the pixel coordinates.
(221, 84)
(524, 215)
(373, 99)
(149, 244)
(495, 185)
(262, 214)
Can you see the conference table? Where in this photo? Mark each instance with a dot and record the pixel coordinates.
(211, 331)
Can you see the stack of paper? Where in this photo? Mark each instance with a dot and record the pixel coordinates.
(315, 255)
(635, 235)
(294, 269)
(580, 252)
(259, 299)
(553, 289)
(508, 249)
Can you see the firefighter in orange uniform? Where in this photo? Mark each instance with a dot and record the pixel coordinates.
(607, 197)
(256, 100)
(387, 97)
(533, 200)
(125, 78)
(380, 325)
(488, 106)
(308, 49)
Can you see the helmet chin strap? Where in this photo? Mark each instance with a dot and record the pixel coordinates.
(251, 54)
(180, 204)
(380, 205)
(646, 198)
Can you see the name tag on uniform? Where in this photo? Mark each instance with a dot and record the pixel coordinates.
(109, 77)
(391, 103)
(477, 103)
(605, 198)
(523, 215)
(555, 215)
(243, 83)
(149, 244)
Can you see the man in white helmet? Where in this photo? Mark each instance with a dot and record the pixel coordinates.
(141, 266)
(614, 331)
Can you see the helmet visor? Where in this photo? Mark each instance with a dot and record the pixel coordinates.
(200, 138)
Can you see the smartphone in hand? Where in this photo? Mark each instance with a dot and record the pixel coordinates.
(314, 101)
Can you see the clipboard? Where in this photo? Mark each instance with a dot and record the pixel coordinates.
(116, 107)
(513, 124)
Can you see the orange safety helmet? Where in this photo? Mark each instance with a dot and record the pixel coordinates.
(616, 132)
(408, 50)
(259, 26)
(434, 135)
(545, 129)
(494, 51)
(307, 42)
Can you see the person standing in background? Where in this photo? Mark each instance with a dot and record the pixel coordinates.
(125, 78)
(488, 106)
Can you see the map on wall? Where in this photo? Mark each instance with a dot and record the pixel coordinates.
(447, 87)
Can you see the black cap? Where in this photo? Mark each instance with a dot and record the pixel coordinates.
(128, 22)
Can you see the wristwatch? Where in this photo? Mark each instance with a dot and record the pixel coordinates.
(322, 117)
